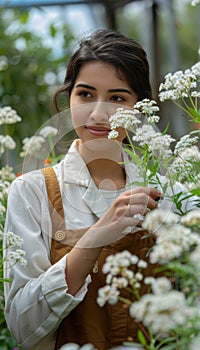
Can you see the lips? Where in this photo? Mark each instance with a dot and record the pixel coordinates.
(97, 130)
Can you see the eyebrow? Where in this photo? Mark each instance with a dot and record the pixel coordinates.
(110, 90)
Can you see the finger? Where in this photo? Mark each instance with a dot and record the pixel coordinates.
(136, 209)
(152, 192)
(142, 199)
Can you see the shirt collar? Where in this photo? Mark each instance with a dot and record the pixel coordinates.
(76, 171)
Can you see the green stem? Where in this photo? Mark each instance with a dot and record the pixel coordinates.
(125, 300)
(182, 108)
(52, 148)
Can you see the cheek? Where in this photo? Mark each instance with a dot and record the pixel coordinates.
(79, 116)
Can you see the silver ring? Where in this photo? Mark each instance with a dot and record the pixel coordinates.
(138, 217)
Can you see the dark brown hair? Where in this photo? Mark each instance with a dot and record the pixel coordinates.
(117, 49)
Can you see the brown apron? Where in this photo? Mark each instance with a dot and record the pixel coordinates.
(104, 327)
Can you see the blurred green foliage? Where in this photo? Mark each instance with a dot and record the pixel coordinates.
(29, 68)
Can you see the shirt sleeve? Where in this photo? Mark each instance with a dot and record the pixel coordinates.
(36, 298)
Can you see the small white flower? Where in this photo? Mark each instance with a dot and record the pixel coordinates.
(32, 145)
(107, 294)
(158, 144)
(161, 312)
(7, 173)
(195, 2)
(154, 219)
(196, 69)
(17, 256)
(113, 134)
(184, 143)
(184, 166)
(194, 257)
(139, 276)
(119, 282)
(4, 189)
(191, 218)
(128, 274)
(48, 131)
(2, 209)
(171, 242)
(124, 118)
(148, 108)
(161, 285)
(8, 116)
(6, 142)
(142, 264)
(134, 259)
(195, 94)
(149, 280)
(12, 240)
(179, 84)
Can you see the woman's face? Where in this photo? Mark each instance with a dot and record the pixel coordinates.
(97, 93)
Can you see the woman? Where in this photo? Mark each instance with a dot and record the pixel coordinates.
(52, 300)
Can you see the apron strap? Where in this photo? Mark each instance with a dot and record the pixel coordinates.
(55, 200)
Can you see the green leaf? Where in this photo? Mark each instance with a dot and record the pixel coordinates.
(142, 338)
(195, 115)
(195, 191)
(52, 30)
(24, 16)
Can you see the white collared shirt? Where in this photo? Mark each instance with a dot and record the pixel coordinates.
(37, 298)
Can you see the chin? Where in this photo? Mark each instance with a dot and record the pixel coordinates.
(101, 145)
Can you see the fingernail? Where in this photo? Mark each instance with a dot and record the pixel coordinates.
(159, 198)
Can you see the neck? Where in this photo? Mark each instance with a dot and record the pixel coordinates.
(102, 161)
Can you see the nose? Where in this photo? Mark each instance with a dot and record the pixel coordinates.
(99, 112)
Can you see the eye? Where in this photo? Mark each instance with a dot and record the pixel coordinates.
(117, 98)
(85, 94)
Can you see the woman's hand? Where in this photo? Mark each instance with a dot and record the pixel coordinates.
(127, 211)
(108, 229)
(128, 205)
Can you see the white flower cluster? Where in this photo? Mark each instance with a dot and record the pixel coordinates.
(2, 210)
(4, 189)
(162, 312)
(159, 285)
(16, 257)
(119, 276)
(8, 116)
(173, 236)
(33, 145)
(184, 166)
(192, 218)
(184, 143)
(158, 144)
(124, 118)
(48, 131)
(195, 2)
(12, 240)
(179, 84)
(7, 174)
(148, 108)
(6, 143)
